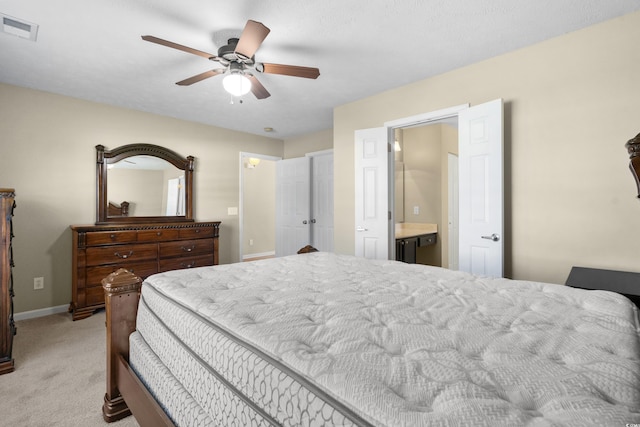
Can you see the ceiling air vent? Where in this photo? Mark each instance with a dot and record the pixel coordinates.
(19, 27)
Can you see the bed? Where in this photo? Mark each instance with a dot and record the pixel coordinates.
(325, 339)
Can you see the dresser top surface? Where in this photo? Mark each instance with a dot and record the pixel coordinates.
(144, 226)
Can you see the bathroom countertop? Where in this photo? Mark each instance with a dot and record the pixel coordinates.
(406, 230)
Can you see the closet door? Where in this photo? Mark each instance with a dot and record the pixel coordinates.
(293, 205)
(322, 202)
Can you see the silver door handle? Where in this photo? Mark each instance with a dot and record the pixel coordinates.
(313, 221)
(495, 237)
(304, 222)
(361, 229)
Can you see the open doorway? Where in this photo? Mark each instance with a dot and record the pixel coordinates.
(480, 148)
(426, 187)
(285, 204)
(257, 208)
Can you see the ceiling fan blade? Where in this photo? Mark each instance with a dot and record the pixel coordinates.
(257, 89)
(201, 76)
(167, 43)
(251, 38)
(291, 70)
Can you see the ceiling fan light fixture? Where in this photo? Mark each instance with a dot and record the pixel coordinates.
(237, 84)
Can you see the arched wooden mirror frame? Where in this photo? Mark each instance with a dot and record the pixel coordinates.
(106, 157)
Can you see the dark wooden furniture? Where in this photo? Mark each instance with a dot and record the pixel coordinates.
(407, 248)
(144, 245)
(622, 282)
(307, 249)
(143, 249)
(126, 394)
(106, 158)
(633, 147)
(114, 210)
(7, 325)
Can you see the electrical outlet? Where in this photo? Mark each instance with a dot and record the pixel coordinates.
(38, 283)
(250, 242)
(416, 210)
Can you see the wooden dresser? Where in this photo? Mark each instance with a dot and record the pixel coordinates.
(7, 325)
(144, 249)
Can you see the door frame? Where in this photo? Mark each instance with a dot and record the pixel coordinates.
(406, 122)
(241, 167)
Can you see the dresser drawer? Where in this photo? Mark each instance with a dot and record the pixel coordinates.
(185, 262)
(121, 254)
(429, 239)
(142, 269)
(110, 237)
(144, 248)
(186, 247)
(197, 232)
(157, 235)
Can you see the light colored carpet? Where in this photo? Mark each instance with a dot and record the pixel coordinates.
(60, 374)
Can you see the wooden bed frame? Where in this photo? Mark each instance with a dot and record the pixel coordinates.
(113, 209)
(126, 394)
(633, 147)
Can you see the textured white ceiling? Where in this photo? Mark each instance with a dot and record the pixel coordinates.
(92, 50)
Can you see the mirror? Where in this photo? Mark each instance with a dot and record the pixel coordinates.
(143, 183)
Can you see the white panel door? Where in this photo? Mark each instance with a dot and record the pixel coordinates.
(322, 202)
(372, 193)
(481, 189)
(293, 213)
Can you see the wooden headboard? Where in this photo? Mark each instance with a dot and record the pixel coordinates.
(633, 147)
(118, 210)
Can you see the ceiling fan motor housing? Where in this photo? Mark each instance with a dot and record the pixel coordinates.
(229, 54)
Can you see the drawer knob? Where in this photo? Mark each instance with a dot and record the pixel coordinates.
(123, 256)
(113, 237)
(188, 249)
(159, 233)
(185, 265)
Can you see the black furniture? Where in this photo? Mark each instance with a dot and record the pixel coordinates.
(622, 282)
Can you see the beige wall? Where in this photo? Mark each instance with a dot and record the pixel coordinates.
(422, 182)
(47, 153)
(422, 175)
(570, 105)
(259, 208)
(299, 146)
(425, 149)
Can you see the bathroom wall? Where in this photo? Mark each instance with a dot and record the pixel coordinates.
(424, 150)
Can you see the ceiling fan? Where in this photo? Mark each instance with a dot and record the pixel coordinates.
(238, 61)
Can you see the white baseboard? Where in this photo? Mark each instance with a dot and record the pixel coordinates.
(40, 312)
(258, 255)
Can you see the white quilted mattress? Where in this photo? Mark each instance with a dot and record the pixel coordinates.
(325, 339)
